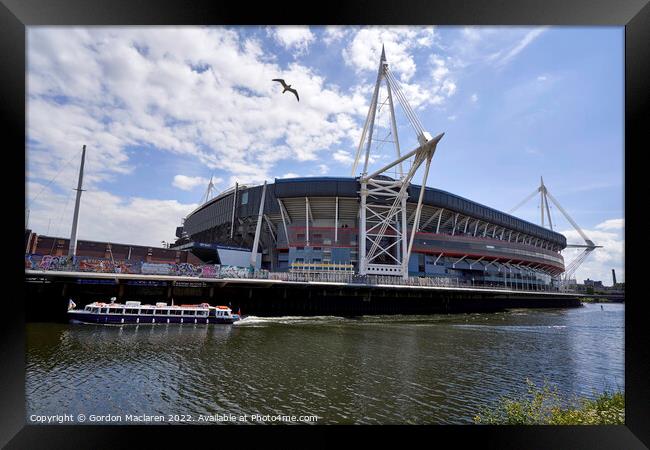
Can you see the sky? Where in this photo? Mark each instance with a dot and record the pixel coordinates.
(164, 109)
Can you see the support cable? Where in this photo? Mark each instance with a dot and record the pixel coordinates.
(57, 174)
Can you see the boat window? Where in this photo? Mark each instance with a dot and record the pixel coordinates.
(131, 311)
(201, 313)
(147, 311)
(162, 312)
(104, 310)
(119, 311)
(189, 312)
(87, 308)
(175, 312)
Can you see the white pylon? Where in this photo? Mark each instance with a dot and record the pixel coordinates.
(589, 245)
(72, 247)
(208, 191)
(384, 247)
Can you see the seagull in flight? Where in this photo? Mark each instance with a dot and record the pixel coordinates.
(287, 87)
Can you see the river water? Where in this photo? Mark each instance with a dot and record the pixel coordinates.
(437, 369)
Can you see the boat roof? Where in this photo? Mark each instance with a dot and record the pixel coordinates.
(124, 305)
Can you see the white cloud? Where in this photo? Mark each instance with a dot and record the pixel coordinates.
(343, 157)
(521, 45)
(188, 183)
(107, 217)
(491, 46)
(166, 98)
(296, 38)
(333, 34)
(203, 94)
(364, 49)
(474, 98)
(422, 88)
(612, 224)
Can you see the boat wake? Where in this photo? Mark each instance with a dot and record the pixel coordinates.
(287, 320)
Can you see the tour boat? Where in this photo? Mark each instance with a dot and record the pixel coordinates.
(135, 312)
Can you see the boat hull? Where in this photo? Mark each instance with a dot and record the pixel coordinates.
(118, 319)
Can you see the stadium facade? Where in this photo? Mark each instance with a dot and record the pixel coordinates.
(312, 224)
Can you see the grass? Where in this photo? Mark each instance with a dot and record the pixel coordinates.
(544, 406)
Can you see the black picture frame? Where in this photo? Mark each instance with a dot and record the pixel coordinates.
(16, 15)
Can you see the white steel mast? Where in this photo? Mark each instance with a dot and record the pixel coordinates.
(384, 247)
(72, 249)
(588, 246)
(258, 229)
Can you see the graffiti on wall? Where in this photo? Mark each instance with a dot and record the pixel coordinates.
(209, 271)
(185, 269)
(233, 271)
(104, 265)
(49, 262)
(95, 265)
(155, 269)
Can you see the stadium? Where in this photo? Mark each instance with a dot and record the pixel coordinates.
(312, 224)
(377, 223)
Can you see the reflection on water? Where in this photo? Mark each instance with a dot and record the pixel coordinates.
(376, 369)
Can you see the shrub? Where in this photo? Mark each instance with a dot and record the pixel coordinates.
(545, 406)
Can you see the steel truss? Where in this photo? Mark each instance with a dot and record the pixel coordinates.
(589, 245)
(384, 247)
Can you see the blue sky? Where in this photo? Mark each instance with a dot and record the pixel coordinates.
(164, 109)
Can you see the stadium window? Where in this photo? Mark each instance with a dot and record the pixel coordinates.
(244, 198)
